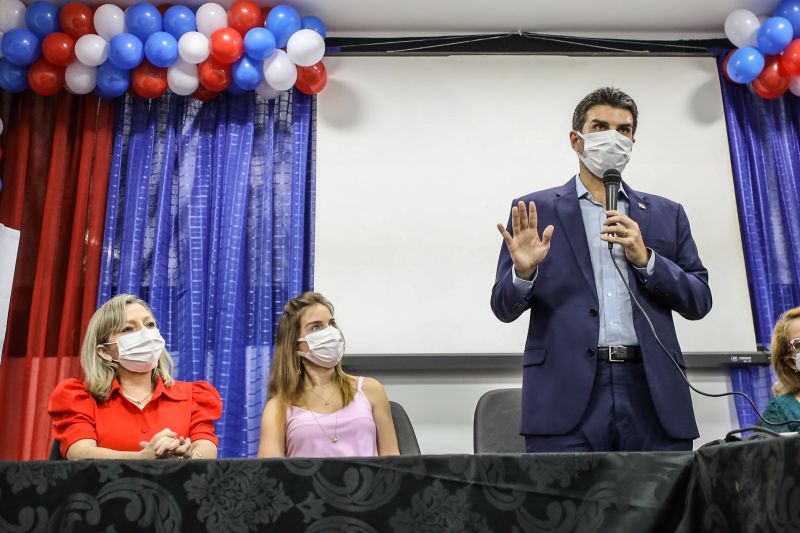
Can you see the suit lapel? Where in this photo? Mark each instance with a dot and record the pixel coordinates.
(569, 214)
(638, 210)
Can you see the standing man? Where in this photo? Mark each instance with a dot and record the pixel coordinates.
(594, 377)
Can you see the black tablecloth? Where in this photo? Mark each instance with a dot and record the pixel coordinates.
(748, 486)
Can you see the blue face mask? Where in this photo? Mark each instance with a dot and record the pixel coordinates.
(604, 150)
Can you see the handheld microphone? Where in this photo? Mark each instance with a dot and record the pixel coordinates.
(611, 181)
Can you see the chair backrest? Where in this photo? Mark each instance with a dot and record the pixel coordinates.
(497, 420)
(406, 438)
(55, 451)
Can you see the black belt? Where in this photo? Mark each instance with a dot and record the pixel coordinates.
(619, 354)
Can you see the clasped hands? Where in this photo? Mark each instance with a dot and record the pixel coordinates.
(166, 444)
(528, 250)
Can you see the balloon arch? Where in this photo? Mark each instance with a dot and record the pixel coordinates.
(149, 49)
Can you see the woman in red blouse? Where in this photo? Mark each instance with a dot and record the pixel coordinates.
(129, 407)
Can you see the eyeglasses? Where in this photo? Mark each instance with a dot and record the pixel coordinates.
(794, 345)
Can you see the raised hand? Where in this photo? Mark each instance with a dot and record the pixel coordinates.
(527, 250)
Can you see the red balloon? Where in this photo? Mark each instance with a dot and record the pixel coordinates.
(44, 78)
(204, 94)
(214, 76)
(226, 45)
(163, 8)
(244, 15)
(725, 66)
(790, 59)
(773, 80)
(148, 81)
(265, 12)
(76, 20)
(59, 49)
(311, 80)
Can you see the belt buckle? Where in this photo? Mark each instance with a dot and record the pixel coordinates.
(613, 350)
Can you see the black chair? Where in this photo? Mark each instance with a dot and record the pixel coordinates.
(55, 451)
(497, 419)
(406, 438)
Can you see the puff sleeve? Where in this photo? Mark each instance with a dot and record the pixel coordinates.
(206, 408)
(72, 410)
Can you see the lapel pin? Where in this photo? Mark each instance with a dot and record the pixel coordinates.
(642, 206)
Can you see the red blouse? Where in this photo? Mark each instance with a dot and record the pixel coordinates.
(188, 409)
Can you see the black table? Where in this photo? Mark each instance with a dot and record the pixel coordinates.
(747, 486)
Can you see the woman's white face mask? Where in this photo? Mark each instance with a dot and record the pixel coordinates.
(140, 351)
(325, 347)
(604, 150)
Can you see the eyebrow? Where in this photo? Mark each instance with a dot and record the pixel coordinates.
(604, 123)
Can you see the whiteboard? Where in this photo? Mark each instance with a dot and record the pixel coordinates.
(419, 157)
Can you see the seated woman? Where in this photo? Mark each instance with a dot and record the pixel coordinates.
(128, 406)
(314, 408)
(785, 352)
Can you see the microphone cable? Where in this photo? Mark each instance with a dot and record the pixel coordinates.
(678, 366)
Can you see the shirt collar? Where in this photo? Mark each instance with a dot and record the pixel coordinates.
(170, 392)
(583, 192)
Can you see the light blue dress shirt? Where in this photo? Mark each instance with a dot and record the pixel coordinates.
(616, 313)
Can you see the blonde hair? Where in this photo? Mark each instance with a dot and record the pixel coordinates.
(286, 377)
(109, 319)
(788, 378)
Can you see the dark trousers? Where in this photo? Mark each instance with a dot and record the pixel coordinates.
(620, 417)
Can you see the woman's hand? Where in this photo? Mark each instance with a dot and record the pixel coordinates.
(162, 443)
(184, 449)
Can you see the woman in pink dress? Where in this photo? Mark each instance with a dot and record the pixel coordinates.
(315, 409)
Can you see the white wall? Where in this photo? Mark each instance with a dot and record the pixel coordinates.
(419, 157)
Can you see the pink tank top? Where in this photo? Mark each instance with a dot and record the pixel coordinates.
(312, 434)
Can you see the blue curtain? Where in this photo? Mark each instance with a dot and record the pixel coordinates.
(210, 219)
(765, 153)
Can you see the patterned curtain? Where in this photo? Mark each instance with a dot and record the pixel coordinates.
(765, 153)
(210, 219)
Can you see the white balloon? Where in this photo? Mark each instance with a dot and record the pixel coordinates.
(1, 126)
(266, 91)
(305, 48)
(279, 71)
(182, 78)
(91, 50)
(12, 15)
(193, 47)
(1, 48)
(79, 78)
(741, 28)
(210, 17)
(794, 85)
(109, 20)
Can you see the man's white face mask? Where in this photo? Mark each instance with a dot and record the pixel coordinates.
(603, 150)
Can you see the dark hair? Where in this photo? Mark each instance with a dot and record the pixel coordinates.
(609, 96)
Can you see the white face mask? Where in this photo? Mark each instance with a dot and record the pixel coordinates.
(603, 150)
(326, 347)
(140, 351)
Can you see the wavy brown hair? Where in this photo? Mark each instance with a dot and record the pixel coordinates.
(109, 319)
(286, 379)
(788, 377)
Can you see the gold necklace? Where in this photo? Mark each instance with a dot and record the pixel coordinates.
(135, 401)
(333, 438)
(325, 402)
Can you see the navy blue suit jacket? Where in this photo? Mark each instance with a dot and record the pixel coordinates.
(559, 360)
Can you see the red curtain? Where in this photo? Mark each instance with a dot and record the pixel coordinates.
(56, 155)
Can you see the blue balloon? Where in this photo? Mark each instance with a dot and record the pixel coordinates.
(21, 47)
(1, 185)
(774, 35)
(790, 10)
(745, 64)
(235, 89)
(179, 20)
(125, 51)
(283, 21)
(13, 78)
(112, 81)
(42, 19)
(259, 44)
(143, 20)
(161, 49)
(314, 23)
(247, 73)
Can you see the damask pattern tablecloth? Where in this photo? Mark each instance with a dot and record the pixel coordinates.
(751, 486)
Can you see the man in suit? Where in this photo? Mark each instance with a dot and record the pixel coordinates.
(594, 375)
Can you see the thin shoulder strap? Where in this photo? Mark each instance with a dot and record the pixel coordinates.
(360, 381)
